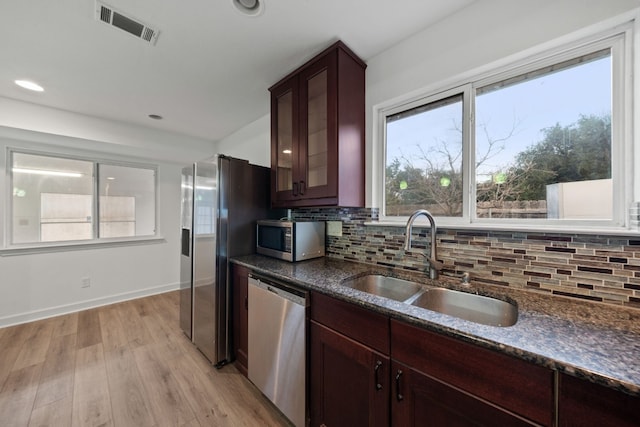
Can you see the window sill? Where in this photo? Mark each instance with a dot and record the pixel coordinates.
(78, 246)
(599, 231)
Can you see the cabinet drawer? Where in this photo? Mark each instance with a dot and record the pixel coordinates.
(357, 323)
(518, 386)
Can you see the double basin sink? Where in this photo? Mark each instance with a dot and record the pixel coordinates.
(463, 305)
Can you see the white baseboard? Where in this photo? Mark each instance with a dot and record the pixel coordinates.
(44, 313)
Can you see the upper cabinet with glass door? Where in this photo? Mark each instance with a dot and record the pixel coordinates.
(317, 132)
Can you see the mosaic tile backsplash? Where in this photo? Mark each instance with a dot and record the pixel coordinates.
(598, 268)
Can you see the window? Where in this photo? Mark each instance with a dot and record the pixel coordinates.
(540, 144)
(543, 143)
(58, 199)
(424, 159)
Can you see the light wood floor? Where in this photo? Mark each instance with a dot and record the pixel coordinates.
(126, 364)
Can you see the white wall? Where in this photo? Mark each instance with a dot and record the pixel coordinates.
(91, 133)
(484, 32)
(44, 284)
(252, 142)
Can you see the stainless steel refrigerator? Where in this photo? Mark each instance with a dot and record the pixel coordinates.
(221, 200)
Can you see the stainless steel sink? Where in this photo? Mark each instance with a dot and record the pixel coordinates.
(472, 307)
(388, 287)
(463, 305)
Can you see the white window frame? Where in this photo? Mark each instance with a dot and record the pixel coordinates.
(10, 248)
(620, 39)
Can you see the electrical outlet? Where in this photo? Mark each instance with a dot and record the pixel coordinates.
(85, 282)
(334, 228)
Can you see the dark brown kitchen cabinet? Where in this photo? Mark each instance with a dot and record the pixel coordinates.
(430, 379)
(349, 365)
(240, 316)
(317, 132)
(438, 376)
(351, 381)
(584, 404)
(420, 400)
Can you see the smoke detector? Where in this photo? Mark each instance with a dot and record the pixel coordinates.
(131, 25)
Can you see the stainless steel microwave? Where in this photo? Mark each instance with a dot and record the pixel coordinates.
(290, 240)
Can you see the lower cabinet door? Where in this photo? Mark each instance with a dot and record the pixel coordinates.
(419, 400)
(349, 381)
(584, 404)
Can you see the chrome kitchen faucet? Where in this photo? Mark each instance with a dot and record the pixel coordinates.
(434, 264)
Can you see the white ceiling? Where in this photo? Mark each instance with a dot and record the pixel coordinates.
(209, 72)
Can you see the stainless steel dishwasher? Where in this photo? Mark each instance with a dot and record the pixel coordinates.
(277, 345)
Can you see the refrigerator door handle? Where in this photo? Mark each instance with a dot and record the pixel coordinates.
(186, 239)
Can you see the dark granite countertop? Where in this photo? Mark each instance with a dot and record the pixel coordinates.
(596, 342)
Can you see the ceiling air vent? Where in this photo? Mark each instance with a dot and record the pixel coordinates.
(109, 15)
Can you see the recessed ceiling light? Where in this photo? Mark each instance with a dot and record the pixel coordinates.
(155, 116)
(29, 85)
(249, 7)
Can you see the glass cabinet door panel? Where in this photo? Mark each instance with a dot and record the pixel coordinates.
(317, 144)
(285, 148)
